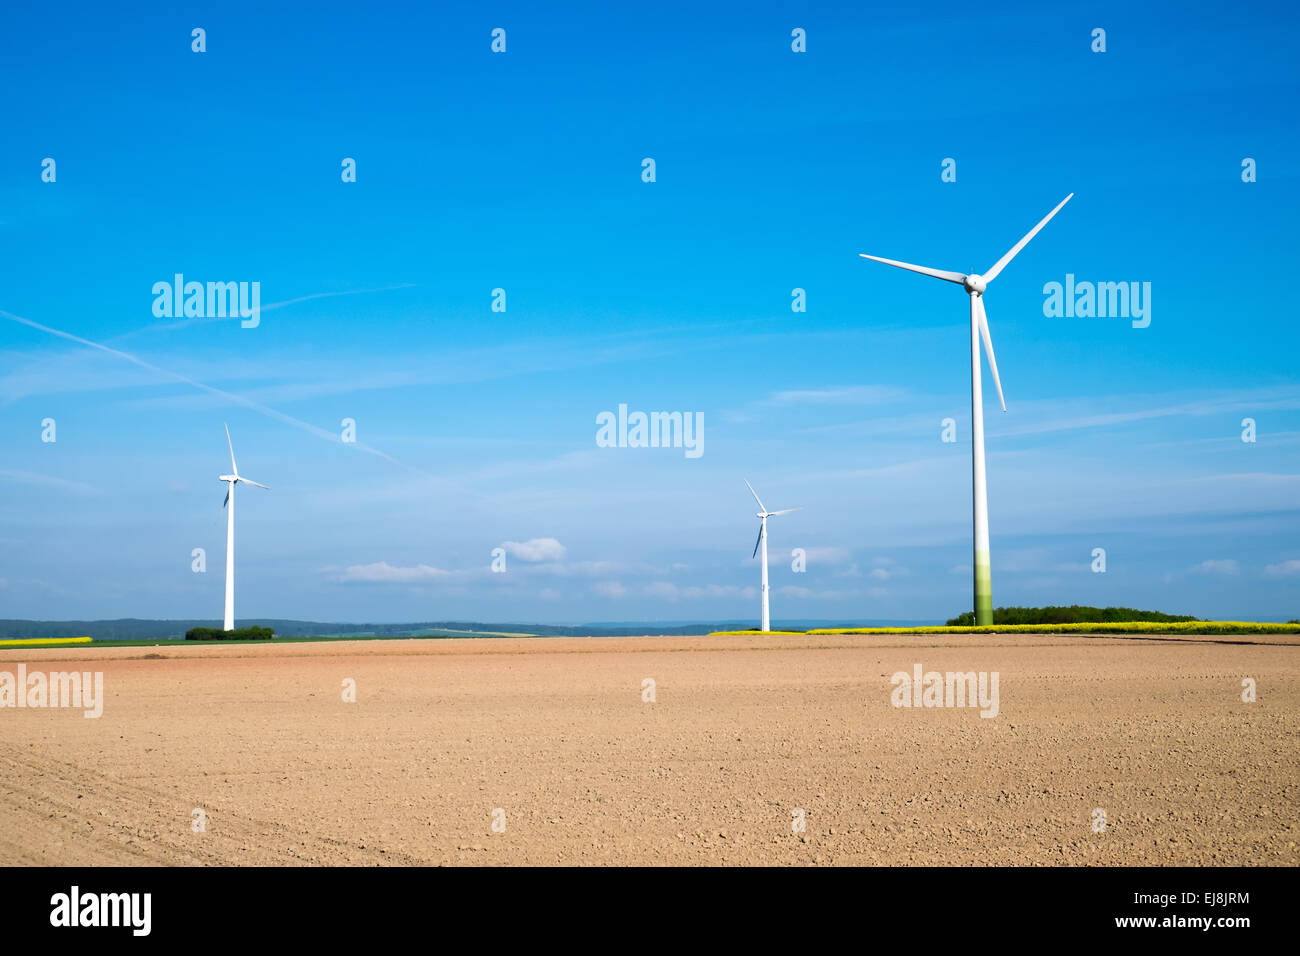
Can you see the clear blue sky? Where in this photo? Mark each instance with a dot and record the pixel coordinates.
(523, 171)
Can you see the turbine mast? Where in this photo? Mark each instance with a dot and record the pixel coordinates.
(229, 622)
(762, 534)
(979, 483)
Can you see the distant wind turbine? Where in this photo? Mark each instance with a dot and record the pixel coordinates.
(979, 327)
(233, 479)
(763, 515)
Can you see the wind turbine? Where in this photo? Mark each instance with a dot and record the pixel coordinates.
(232, 479)
(975, 286)
(763, 515)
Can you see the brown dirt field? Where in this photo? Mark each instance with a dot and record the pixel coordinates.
(744, 731)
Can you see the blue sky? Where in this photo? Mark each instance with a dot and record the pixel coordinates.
(522, 171)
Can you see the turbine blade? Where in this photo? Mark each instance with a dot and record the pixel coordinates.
(956, 277)
(785, 512)
(755, 494)
(1011, 254)
(250, 481)
(234, 470)
(227, 501)
(758, 541)
(977, 303)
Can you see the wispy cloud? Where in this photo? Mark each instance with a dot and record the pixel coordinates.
(1054, 417)
(837, 395)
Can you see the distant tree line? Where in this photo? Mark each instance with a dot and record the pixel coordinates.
(138, 629)
(238, 634)
(1074, 614)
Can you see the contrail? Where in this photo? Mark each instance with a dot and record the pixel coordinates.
(327, 295)
(270, 306)
(32, 478)
(229, 396)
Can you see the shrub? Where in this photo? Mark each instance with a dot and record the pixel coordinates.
(238, 634)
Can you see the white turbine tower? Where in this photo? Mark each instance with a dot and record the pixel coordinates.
(979, 328)
(763, 515)
(233, 479)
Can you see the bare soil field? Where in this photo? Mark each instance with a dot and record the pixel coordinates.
(743, 733)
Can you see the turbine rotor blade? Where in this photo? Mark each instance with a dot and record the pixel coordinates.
(758, 541)
(227, 501)
(977, 303)
(1011, 253)
(233, 469)
(784, 512)
(250, 481)
(755, 494)
(956, 277)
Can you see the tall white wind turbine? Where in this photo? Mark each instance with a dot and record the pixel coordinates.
(763, 515)
(979, 328)
(232, 479)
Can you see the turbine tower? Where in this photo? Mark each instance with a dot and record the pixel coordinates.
(232, 479)
(975, 286)
(763, 515)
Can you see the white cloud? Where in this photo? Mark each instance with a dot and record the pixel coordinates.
(886, 568)
(827, 555)
(382, 572)
(536, 549)
(1224, 567)
(611, 589)
(672, 592)
(1284, 570)
(662, 589)
(696, 592)
(586, 569)
(831, 594)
